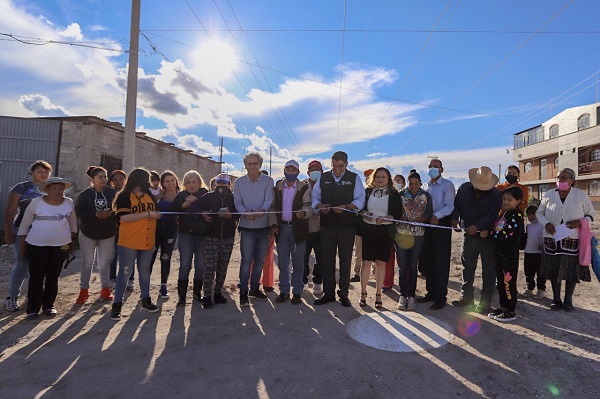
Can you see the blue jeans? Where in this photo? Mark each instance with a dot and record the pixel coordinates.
(286, 247)
(191, 247)
(166, 237)
(407, 270)
(253, 246)
(127, 258)
(19, 271)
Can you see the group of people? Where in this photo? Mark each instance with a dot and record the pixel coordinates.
(132, 217)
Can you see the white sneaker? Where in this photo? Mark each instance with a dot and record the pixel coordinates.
(527, 294)
(540, 294)
(317, 289)
(411, 305)
(11, 304)
(402, 303)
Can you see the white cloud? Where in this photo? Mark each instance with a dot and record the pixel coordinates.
(72, 31)
(45, 20)
(185, 141)
(377, 154)
(41, 105)
(98, 28)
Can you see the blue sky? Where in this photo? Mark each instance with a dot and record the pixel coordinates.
(453, 79)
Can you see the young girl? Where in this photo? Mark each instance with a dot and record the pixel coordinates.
(136, 209)
(118, 178)
(97, 230)
(507, 232)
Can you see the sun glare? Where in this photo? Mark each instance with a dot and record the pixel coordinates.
(215, 61)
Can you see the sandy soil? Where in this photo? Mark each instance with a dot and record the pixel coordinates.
(278, 350)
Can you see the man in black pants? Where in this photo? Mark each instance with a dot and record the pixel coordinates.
(336, 192)
(435, 256)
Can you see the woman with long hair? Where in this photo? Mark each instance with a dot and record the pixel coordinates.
(166, 228)
(117, 181)
(381, 202)
(192, 228)
(97, 230)
(137, 212)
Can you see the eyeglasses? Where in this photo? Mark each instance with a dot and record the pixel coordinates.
(251, 163)
(338, 166)
(559, 177)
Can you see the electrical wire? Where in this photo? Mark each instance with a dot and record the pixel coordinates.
(341, 79)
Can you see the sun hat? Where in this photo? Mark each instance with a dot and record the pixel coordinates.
(42, 188)
(483, 178)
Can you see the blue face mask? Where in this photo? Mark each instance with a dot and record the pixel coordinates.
(314, 175)
(433, 172)
(290, 176)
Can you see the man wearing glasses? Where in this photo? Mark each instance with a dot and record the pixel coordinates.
(253, 195)
(335, 194)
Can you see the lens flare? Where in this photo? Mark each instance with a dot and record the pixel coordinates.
(468, 326)
(554, 390)
(405, 241)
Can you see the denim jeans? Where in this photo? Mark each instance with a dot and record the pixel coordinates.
(191, 247)
(20, 269)
(114, 259)
(313, 242)
(253, 247)
(472, 248)
(104, 250)
(286, 248)
(166, 237)
(407, 266)
(127, 258)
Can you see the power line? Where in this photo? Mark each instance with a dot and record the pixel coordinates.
(42, 42)
(460, 31)
(341, 79)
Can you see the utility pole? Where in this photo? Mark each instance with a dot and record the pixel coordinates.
(270, 161)
(221, 155)
(131, 102)
(499, 170)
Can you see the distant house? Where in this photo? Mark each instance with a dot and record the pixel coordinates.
(570, 139)
(72, 144)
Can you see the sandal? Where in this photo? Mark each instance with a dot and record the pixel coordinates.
(378, 304)
(363, 299)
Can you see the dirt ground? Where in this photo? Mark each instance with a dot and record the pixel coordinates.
(274, 350)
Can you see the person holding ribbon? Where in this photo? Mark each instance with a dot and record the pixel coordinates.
(382, 202)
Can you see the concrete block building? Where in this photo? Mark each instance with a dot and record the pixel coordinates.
(570, 139)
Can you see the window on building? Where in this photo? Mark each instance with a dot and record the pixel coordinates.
(542, 169)
(110, 163)
(543, 188)
(528, 167)
(595, 155)
(529, 137)
(583, 122)
(594, 188)
(553, 131)
(556, 163)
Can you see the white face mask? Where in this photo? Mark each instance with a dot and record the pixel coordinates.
(314, 175)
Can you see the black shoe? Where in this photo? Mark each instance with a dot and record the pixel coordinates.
(425, 299)
(281, 298)
(148, 305)
(197, 289)
(355, 279)
(462, 302)
(219, 298)
(182, 291)
(568, 307)
(207, 302)
(483, 308)
(437, 305)
(555, 306)
(324, 299)
(257, 294)
(115, 313)
(244, 299)
(346, 302)
(296, 299)
(268, 289)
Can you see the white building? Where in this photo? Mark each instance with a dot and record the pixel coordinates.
(570, 139)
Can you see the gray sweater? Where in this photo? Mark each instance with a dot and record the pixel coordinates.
(253, 195)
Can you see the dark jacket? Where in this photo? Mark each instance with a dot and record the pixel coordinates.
(212, 202)
(190, 224)
(88, 202)
(302, 202)
(338, 193)
(481, 212)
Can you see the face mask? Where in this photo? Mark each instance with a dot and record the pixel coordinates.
(221, 190)
(512, 179)
(433, 172)
(290, 176)
(563, 185)
(314, 175)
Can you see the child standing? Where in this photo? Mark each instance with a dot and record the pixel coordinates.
(507, 232)
(533, 255)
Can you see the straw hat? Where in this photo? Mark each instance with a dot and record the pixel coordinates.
(42, 188)
(483, 178)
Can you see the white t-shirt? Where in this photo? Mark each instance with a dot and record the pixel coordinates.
(48, 225)
(378, 205)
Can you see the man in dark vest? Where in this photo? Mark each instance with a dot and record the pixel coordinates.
(336, 192)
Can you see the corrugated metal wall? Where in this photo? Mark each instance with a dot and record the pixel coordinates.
(24, 141)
